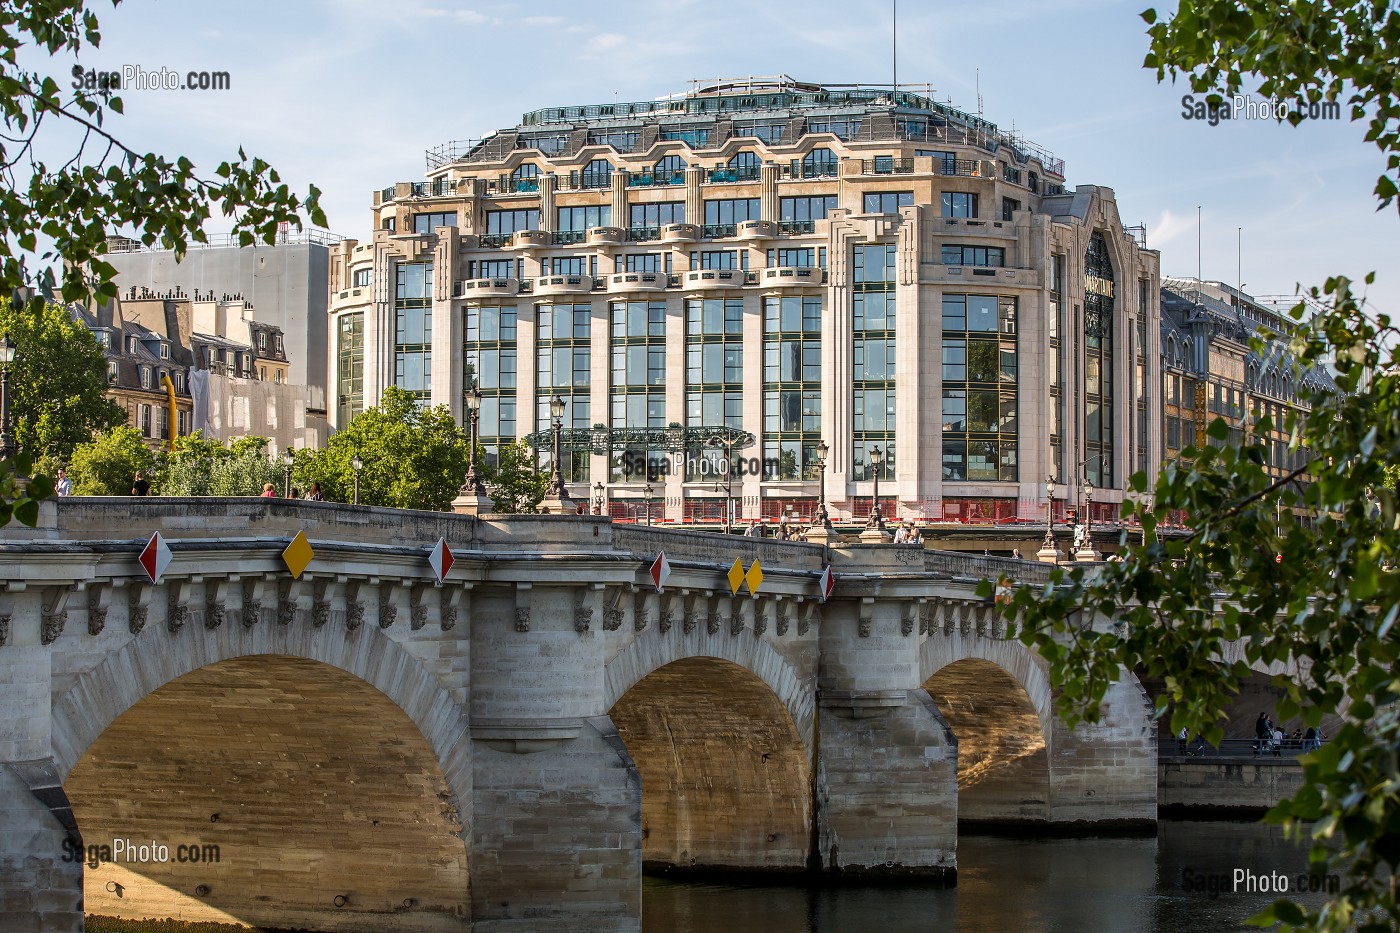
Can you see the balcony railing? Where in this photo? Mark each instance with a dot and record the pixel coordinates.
(958, 167)
(566, 237)
(649, 180)
(507, 185)
(719, 231)
(796, 227)
(1010, 174)
(387, 194)
(643, 234)
(825, 170)
(887, 166)
(495, 240)
(720, 176)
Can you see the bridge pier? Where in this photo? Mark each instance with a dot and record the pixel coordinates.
(1106, 772)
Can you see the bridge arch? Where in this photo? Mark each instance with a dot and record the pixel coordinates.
(791, 678)
(301, 758)
(1011, 657)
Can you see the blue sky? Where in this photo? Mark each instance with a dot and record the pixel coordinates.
(348, 94)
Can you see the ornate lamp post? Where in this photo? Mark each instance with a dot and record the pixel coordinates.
(728, 484)
(556, 494)
(1084, 547)
(471, 495)
(821, 531)
(1049, 552)
(598, 498)
(288, 458)
(875, 525)
(357, 465)
(647, 491)
(7, 357)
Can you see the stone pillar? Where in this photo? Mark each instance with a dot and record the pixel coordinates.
(887, 761)
(1107, 772)
(41, 868)
(556, 826)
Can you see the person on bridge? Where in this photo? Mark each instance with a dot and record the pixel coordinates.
(140, 486)
(268, 492)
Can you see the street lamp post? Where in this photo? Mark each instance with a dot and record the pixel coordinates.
(821, 531)
(288, 458)
(556, 494)
(471, 496)
(357, 465)
(875, 524)
(1049, 552)
(1085, 549)
(7, 357)
(647, 491)
(728, 484)
(598, 498)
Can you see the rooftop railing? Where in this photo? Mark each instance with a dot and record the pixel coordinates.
(312, 237)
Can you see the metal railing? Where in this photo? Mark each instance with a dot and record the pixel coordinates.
(958, 166)
(643, 234)
(731, 175)
(1231, 748)
(495, 240)
(796, 227)
(313, 237)
(718, 231)
(649, 180)
(566, 237)
(886, 166)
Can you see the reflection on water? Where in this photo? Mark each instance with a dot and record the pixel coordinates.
(1032, 885)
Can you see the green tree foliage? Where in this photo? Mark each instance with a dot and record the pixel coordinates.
(200, 467)
(58, 381)
(414, 457)
(105, 186)
(1323, 597)
(1311, 51)
(514, 483)
(106, 465)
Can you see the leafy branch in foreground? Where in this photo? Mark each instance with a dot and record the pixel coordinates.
(1315, 602)
(1309, 51)
(106, 187)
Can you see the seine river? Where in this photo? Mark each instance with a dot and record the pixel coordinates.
(1007, 885)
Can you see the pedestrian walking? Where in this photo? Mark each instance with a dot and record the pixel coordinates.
(139, 485)
(64, 486)
(314, 494)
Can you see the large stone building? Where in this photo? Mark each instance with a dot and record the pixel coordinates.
(802, 262)
(285, 281)
(1209, 369)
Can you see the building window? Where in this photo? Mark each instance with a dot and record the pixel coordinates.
(873, 377)
(955, 255)
(427, 223)
(112, 371)
(596, 174)
(360, 278)
(146, 381)
(164, 350)
(819, 163)
(1099, 311)
(491, 364)
(1009, 207)
(745, 166)
(979, 388)
(494, 269)
(694, 137)
(574, 221)
(841, 129)
(714, 373)
(642, 262)
(564, 368)
(391, 224)
(656, 214)
(638, 383)
(800, 258)
(722, 215)
(959, 204)
(805, 209)
(508, 222)
(146, 421)
(887, 202)
(792, 398)
(550, 145)
(413, 328)
(262, 340)
(670, 170)
(768, 132)
(621, 140)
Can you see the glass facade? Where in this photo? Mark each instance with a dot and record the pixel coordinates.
(714, 373)
(979, 388)
(1098, 363)
(872, 380)
(638, 395)
(792, 386)
(413, 328)
(490, 363)
(563, 368)
(350, 367)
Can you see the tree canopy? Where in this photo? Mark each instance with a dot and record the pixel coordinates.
(58, 381)
(61, 214)
(106, 465)
(1318, 593)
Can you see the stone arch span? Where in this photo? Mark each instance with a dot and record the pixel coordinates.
(1012, 658)
(726, 777)
(791, 677)
(322, 763)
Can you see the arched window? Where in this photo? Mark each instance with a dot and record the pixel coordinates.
(817, 163)
(1099, 312)
(597, 174)
(745, 166)
(670, 171)
(526, 177)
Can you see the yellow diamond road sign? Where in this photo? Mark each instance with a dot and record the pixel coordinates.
(736, 577)
(297, 555)
(754, 578)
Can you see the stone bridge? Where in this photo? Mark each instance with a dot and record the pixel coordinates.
(363, 748)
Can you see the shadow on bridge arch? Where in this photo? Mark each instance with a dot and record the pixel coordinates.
(998, 703)
(319, 775)
(726, 774)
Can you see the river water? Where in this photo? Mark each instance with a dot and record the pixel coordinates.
(1006, 885)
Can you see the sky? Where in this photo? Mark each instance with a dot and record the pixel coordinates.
(347, 94)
